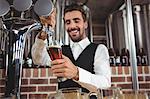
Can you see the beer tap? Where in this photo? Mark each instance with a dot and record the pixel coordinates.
(50, 31)
(18, 51)
(19, 29)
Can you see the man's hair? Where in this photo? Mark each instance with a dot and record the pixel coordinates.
(76, 7)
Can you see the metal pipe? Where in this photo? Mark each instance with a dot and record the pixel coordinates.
(125, 29)
(149, 32)
(89, 17)
(110, 30)
(60, 32)
(57, 20)
(64, 35)
(137, 10)
(107, 33)
(147, 29)
(132, 47)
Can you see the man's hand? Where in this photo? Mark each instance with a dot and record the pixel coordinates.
(47, 21)
(64, 68)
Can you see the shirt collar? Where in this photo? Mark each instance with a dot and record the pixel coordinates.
(83, 43)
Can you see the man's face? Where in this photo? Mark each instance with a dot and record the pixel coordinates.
(75, 25)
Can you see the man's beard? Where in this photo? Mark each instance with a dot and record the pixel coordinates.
(76, 39)
(79, 36)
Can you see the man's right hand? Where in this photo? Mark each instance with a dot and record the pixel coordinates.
(42, 35)
(47, 21)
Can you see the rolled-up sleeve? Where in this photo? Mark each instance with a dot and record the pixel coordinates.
(39, 53)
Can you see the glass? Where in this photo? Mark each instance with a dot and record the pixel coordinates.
(85, 95)
(68, 93)
(55, 52)
(110, 93)
(135, 95)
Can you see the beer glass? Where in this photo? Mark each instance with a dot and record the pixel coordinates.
(55, 52)
(68, 93)
(72, 93)
(135, 95)
(110, 93)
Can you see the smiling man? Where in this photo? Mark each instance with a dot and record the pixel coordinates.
(75, 25)
(82, 60)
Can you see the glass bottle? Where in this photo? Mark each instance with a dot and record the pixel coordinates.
(144, 60)
(138, 57)
(117, 58)
(111, 56)
(125, 57)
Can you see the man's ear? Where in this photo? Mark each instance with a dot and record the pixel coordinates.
(86, 24)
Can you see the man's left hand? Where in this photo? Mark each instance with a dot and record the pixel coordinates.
(64, 68)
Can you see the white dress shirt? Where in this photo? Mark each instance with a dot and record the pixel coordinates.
(102, 76)
(76, 50)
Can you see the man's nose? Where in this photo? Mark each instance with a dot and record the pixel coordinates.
(72, 25)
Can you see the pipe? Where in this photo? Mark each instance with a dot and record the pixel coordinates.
(107, 33)
(110, 30)
(125, 29)
(137, 10)
(89, 17)
(132, 47)
(147, 29)
(60, 31)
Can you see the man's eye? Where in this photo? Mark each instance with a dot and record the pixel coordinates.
(76, 21)
(67, 22)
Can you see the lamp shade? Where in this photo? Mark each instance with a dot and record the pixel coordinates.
(43, 7)
(22, 5)
(4, 7)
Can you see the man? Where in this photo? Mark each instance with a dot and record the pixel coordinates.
(89, 63)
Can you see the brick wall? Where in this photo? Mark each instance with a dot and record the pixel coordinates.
(37, 83)
(121, 76)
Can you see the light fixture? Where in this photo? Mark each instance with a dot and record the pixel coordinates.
(22, 5)
(4, 7)
(43, 7)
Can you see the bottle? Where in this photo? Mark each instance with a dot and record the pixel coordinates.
(111, 56)
(117, 58)
(1, 60)
(144, 60)
(125, 57)
(138, 57)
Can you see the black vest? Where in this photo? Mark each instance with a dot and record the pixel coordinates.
(85, 61)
